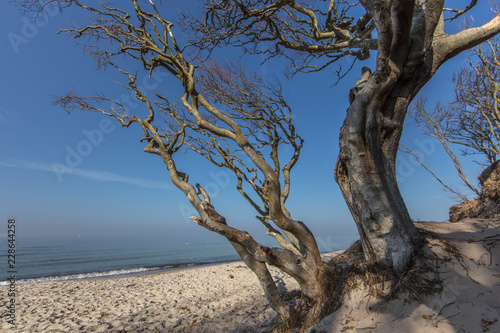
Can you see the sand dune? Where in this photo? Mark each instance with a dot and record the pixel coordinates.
(468, 302)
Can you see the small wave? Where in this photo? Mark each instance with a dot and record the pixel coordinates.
(118, 272)
(80, 276)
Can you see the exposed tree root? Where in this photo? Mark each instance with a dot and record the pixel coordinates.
(348, 272)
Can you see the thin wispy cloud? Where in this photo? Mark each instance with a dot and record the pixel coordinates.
(95, 175)
(10, 165)
(5, 116)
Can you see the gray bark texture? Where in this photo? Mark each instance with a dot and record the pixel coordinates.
(411, 48)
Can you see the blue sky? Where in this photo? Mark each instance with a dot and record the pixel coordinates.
(81, 174)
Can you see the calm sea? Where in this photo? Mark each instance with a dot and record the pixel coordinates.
(79, 257)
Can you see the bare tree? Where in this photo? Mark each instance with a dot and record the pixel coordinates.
(410, 43)
(238, 125)
(472, 119)
(433, 125)
(232, 118)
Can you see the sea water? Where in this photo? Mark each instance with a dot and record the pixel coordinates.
(64, 258)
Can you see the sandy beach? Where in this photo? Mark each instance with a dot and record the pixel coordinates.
(217, 298)
(214, 298)
(228, 297)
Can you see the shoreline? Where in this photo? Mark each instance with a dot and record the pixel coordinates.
(109, 274)
(139, 271)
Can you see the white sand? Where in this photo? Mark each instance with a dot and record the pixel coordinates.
(469, 302)
(228, 298)
(218, 298)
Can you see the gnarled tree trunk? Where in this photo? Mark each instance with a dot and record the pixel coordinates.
(365, 172)
(411, 47)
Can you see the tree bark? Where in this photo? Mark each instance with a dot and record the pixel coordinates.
(407, 58)
(365, 172)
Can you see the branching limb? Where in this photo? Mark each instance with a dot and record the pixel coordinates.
(449, 46)
(282, 241)
(269, 28)
(459, 12)
(435, 126)
(452, 190)
(70, 101)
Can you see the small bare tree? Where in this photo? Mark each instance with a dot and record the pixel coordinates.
(472, 119)
(475, 124)
(431, 125)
